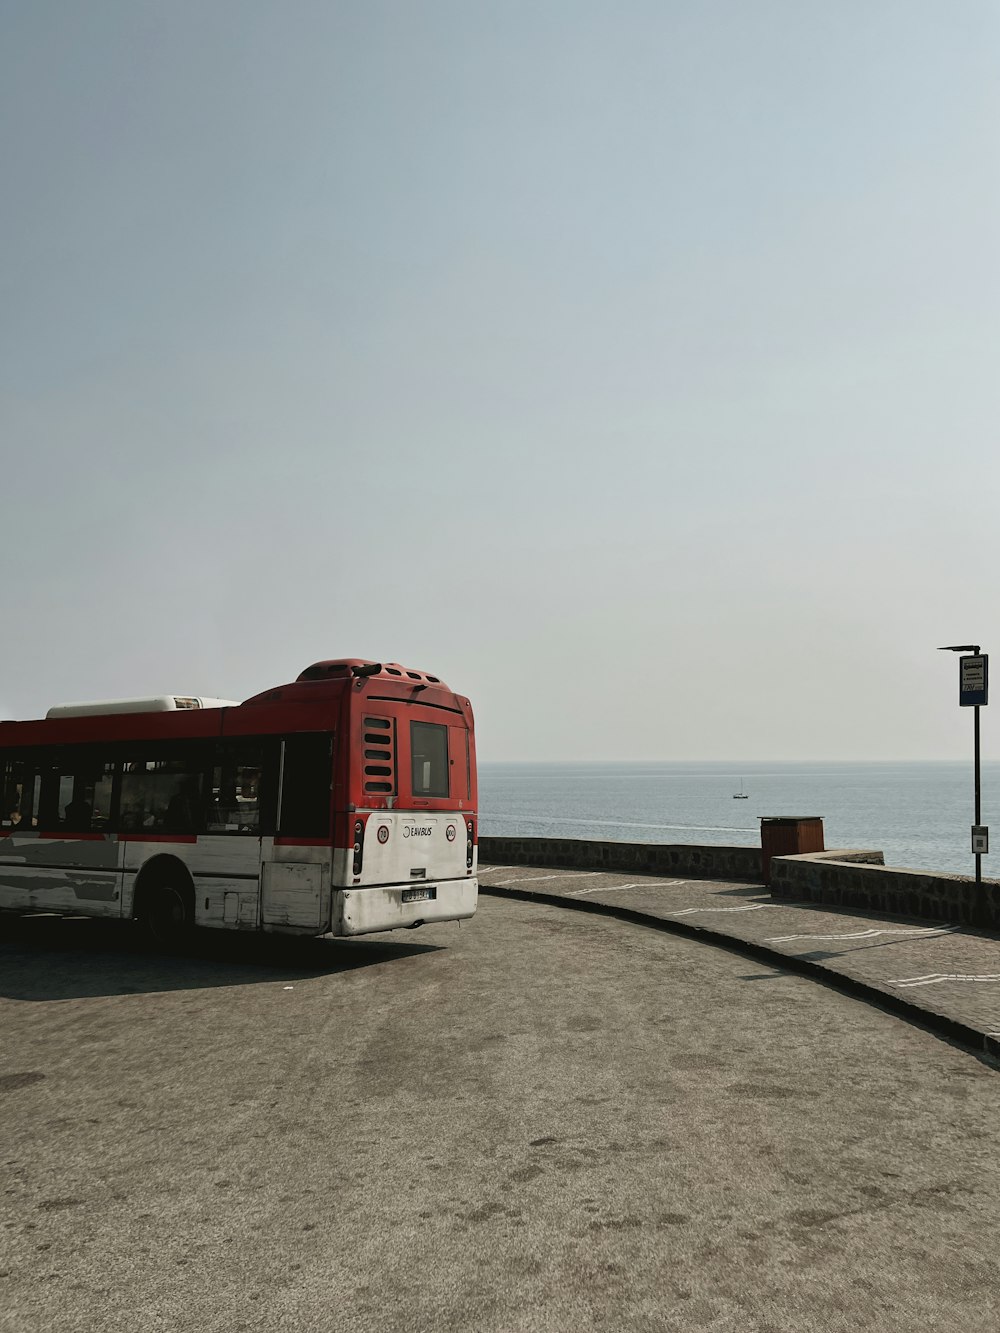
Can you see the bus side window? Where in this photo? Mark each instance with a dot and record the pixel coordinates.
(234, 798)
(306, 777)
(17, 783)
(46, 796)
(163, 795)
(133, 796)
(82, 788)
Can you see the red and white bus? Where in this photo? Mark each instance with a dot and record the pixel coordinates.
(341, 804)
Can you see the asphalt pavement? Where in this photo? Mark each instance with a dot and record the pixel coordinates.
(943, 976)
(540, 1121)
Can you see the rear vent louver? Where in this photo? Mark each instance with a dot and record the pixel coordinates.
(379, 750)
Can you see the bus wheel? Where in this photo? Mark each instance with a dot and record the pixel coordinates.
(167, 914)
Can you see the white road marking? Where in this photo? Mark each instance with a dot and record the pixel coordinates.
(925, 931)
(936, 978)
(749, 907)
(641, 884)
(591, 874)
(564, 874)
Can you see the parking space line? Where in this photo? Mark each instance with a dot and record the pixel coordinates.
(925, 932)
(936, 978)
(641, 884)
(563, 874)
(749, 907)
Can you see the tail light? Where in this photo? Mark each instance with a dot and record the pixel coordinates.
(470, 831)
(359, 844)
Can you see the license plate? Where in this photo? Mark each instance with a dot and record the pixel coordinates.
(419, 895)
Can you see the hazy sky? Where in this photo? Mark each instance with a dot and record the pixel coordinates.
(633, 365)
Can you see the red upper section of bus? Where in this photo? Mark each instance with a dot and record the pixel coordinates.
(313, 702)
(333, 696)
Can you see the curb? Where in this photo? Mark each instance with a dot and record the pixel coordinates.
(949, 1029)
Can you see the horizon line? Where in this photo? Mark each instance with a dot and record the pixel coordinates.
(736, 763)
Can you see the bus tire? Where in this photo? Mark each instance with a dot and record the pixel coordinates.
(165, 907)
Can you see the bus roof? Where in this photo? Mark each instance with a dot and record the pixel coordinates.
(321, 684)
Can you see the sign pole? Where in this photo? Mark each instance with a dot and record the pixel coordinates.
(973, 692)
(979, 820)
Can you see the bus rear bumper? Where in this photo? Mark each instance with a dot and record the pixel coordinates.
(363, 911)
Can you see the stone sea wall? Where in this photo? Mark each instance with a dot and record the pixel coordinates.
(859, 881)
(736, 863)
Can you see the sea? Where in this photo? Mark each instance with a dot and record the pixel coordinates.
(919, 815)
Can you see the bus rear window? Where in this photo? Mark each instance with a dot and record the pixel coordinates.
(429, 758)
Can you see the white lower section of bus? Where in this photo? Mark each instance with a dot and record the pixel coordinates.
(240, 883)
(414, 870)
(363, 911)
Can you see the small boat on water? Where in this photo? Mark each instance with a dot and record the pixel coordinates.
(741, 794)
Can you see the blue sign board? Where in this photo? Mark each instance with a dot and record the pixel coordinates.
(973, 680)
